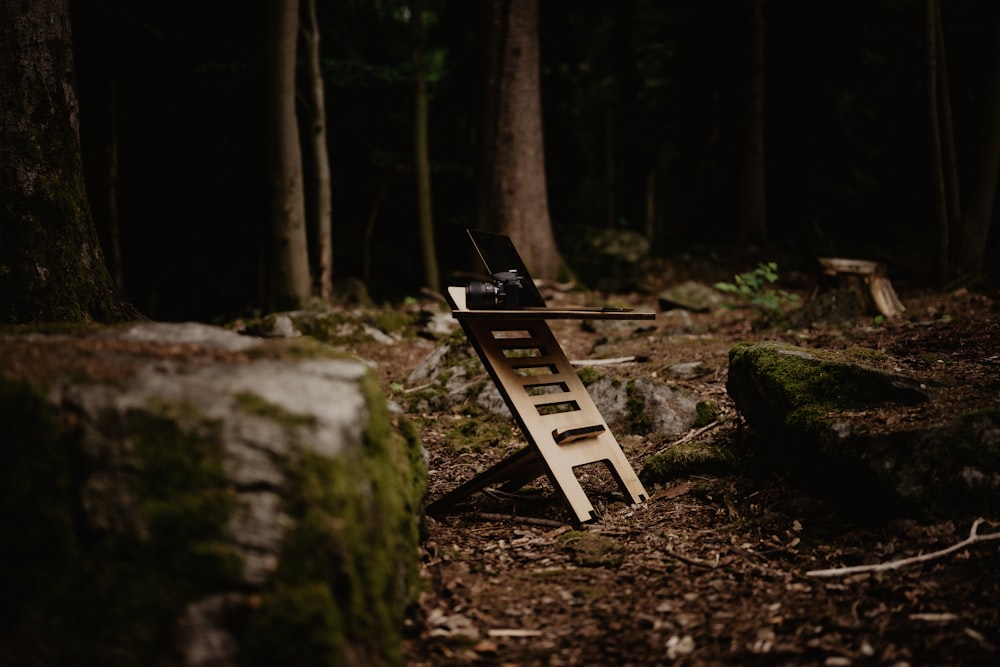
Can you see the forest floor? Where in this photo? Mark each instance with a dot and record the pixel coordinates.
(713, 569)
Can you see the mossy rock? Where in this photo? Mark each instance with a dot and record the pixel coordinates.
(231, 501)
(686, 459)
(800, 404)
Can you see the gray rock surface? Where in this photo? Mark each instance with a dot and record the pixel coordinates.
(454, 376)
(203, 462)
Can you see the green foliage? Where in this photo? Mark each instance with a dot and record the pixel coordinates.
(756, 287)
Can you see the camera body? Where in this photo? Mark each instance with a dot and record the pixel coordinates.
(504, 293)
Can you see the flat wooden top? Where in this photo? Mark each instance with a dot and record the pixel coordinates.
(456, 298)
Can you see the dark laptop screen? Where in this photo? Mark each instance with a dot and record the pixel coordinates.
(499, 254)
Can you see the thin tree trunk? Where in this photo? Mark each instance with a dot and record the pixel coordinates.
(938, 192)
(948, 152)
(114, 251)
(514, 198)
(289, 251)
(650, 208)
(321, 190)
(420, 151)
(986, 165)
(753, 211)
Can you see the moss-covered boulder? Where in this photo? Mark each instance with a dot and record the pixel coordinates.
(183, 495)
(821, 414)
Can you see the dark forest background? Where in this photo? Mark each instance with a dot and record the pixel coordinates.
(633, 92)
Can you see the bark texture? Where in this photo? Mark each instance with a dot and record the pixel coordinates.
(289, 249)
(51, 264)
(513, 196)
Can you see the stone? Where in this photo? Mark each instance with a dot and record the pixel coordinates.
(613, 260)
(690, 295)
(198, 495)
(805, 408)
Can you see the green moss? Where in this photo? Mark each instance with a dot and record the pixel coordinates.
(686, 459)
(640, 421)
(110, 595)
(297, 625)
(475, 432)
(808, 385)
(350, 559)
(394, 321)
(706, 412)
(253, 404)
(589, 375)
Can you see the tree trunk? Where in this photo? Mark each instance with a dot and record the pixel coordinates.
(289, 251)
(513, 196)
(321, 197)
(934, 121)
(981, 192)
(753, 210)
(420, 151)
(51, 264)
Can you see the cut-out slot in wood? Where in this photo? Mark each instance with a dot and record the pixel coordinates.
(557, 408)
(506, 334)
(568, 434)
(534, 370)
(519, 352)
(546, 388)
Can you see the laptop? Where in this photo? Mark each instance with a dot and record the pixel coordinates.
(499, 255)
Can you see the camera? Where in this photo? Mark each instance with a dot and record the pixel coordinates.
(503, 293)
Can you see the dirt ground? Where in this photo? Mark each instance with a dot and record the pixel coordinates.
(712, 570)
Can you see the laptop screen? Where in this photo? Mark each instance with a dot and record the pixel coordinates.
(499, 254)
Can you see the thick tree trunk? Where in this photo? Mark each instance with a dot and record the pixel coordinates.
(289, 250)
(420, 151)
(320, 192)
(51, 264)
(513, 196)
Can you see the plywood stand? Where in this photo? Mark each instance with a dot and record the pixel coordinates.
(556, 414)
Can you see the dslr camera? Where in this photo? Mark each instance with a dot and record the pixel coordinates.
(504, 293)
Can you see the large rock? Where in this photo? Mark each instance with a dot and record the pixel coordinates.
(612, 260)
(452, 375)
(808, 409)
(178, 494)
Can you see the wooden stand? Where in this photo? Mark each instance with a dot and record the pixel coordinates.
(556, 414)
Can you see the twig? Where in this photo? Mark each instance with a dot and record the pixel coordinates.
(604, 362)
(697, 562)
(529, 520)
(973, 538)
(690, 436)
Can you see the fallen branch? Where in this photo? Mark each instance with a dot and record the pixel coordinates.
(528, 520)
(694, 433)
(973, 538)
(605, 362)
(689, 560)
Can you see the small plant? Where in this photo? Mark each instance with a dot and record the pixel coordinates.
(755, 287)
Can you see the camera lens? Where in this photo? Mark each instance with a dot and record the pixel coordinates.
(479, 295)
